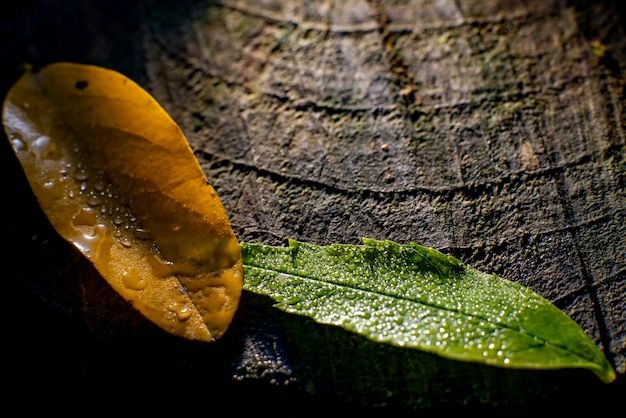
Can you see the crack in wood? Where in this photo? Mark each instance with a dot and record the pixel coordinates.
(469, 189)
(590, 288)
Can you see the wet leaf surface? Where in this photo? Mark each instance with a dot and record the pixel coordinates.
(416, 297)
(116, 177)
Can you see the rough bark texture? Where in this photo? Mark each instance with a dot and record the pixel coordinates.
(492, 130)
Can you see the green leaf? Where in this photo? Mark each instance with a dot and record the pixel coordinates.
(416, 297)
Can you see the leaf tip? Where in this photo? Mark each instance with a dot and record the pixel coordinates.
(606, 373)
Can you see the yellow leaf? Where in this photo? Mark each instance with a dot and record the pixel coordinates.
(116, 177)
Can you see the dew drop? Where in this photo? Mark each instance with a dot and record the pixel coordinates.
(293, 300)
(142, 234)
(351, 267)
(254, 281)
(133, 281)
(81, 175)
(18, 145)
(90, 241)
(125, 242)
(183, 314)
(94, 201)
(42, 146)
(85, 217)
(100, 185)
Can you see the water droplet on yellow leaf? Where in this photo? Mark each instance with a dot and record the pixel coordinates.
(116, 177)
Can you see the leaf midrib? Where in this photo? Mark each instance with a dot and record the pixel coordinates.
(541, 341)
(396, 297)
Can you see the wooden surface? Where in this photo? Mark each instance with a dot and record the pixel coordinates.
(493, 131)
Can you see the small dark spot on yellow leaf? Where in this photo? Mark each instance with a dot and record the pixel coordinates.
(81, 84)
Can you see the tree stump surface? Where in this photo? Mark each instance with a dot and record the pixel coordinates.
(493, 131)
